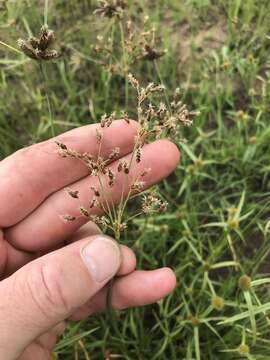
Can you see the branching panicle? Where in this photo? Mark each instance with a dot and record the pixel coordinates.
(155, 121)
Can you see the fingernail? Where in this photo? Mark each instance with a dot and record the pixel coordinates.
(102, 258)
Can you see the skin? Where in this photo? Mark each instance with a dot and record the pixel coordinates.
(33, 237)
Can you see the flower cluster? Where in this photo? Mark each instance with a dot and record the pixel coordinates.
(152, 204)
(161, 119)
(155, 121)
(130, 43)
(39, 48)
(111, 8)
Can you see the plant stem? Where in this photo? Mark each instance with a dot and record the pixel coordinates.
(125, 64)
(45, 78)
(46, 6)
(162, 82)
(10, 47)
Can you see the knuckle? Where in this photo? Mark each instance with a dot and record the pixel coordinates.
(46, 290)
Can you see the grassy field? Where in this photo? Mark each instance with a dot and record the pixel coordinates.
(217, 229)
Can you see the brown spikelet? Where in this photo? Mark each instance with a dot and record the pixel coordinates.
(96, 192)
(111, 178)
(138, 154)
(93, 203)
(73, 193)
(84, 212)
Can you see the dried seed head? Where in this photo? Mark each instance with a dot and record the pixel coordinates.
(152, 204)
(46, 38)
(100, 220)
(111, 8)
(106, 120)
(151, 53)
(111, 177)
(96, 192)
(138, 154)
(34, 42)
(61, 145)
(162, 110)
(48, 55)
(163, 206)
(244, 283)
(27, 49)
(133, 81)
(138, 186)
(114, 154)
(120, 166)
(123, 166)
(125, 117)
(38, 48)
(119, 227)
(73, 193)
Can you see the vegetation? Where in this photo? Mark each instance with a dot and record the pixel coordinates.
(216, 231)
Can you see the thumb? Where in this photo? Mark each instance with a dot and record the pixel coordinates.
(49, 289)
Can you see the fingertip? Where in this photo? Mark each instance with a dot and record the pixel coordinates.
(130, 125)
(128, 261)
(171, 151)
(169, 279)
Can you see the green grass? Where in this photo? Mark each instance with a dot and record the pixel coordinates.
(218, 54)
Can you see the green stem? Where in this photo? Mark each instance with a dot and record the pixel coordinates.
(45, 79)
(162, 83)
(125, 63)
(46, 6)
(11, 47)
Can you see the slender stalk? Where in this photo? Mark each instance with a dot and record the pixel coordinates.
(11, 47)
(162, 82)
(45, 79)
(125, 63)
(46, 7)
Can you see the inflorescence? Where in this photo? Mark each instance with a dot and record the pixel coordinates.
(156, 121)
(39, 48)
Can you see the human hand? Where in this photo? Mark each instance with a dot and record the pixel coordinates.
(50, 270)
